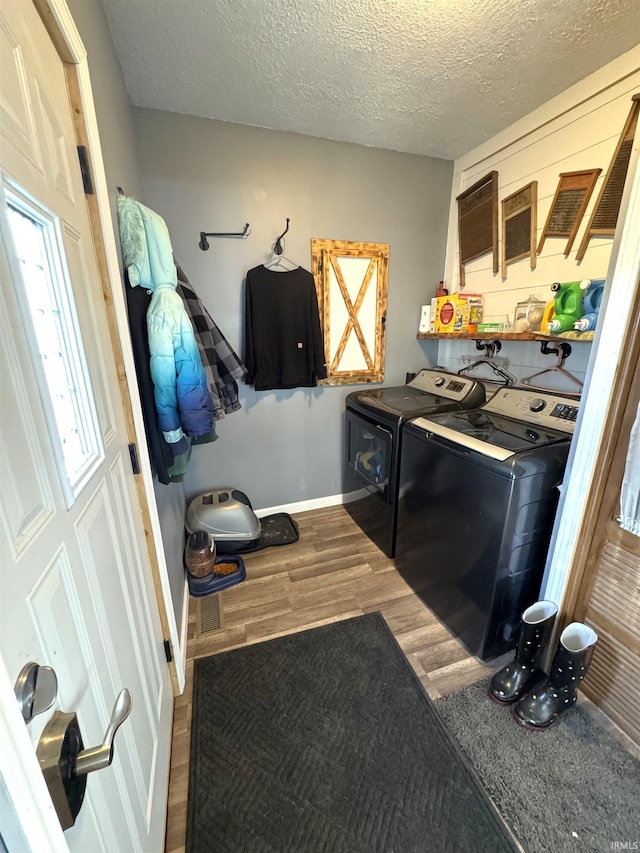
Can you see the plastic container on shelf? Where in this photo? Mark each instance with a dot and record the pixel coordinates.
(593, 297)
(495, 323)
(591, 306)
(568, 304)
(548, 315)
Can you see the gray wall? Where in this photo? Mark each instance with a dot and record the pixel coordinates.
(113, 106)
(117, 135)
(204, 175)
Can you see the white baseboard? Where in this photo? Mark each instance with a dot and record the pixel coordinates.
(306, 506)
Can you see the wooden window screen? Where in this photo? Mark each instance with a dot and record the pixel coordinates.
(519, 215)
(604, 216)
(568, 206)
(351, 283)
(478, 221)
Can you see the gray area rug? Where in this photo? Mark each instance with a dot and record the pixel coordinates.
(326, 741)
(571, 788)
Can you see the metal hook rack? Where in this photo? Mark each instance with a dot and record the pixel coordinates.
(204, 243)
(278, 244)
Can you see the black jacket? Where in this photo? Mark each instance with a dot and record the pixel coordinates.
(162, 457)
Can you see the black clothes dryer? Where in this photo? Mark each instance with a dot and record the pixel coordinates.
(477, 501)
(374, 418)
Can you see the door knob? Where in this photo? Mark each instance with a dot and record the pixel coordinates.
(65, 762)
(98, 757)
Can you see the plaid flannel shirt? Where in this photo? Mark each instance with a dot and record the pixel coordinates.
(221, 365)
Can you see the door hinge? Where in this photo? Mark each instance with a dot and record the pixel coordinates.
(167, 650)
(133, 453)
(85, 170)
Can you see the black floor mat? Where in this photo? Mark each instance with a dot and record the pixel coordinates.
(277, 529)
(326, 742)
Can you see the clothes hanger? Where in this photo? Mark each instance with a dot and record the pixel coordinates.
(563, 351)
(279, 260)
(490, 349)
(508, 379)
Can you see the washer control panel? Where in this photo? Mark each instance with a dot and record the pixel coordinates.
(444, 384)
(545, 409)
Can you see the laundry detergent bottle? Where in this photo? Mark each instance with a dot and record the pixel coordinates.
(591, 306)
(568, 304)
(548, 314)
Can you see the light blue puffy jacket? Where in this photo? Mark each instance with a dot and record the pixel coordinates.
(183, 401)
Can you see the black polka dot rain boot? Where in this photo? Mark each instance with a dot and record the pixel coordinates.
(542, 707)
(527, 668)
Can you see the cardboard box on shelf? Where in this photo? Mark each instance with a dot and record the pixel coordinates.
(460, 312)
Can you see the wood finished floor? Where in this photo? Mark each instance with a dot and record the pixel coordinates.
(333, 572)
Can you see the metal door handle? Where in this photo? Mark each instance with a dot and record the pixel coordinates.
(65, 762)
(98, 757)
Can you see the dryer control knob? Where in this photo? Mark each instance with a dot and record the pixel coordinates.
(439, 381)
(537, 405)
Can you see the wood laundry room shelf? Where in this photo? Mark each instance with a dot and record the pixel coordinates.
(506, 336)
(480, 336)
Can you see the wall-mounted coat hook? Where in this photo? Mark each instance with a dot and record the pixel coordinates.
(278, 246)
(490, 347)
(558, 348)
(204, 243)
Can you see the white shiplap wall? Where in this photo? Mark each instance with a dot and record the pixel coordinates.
(577, 130)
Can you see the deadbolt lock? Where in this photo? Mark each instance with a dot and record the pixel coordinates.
(36, 689)
(65, 762)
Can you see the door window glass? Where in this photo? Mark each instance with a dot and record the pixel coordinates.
(46, 301)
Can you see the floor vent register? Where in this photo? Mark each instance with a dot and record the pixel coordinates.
(209, 617)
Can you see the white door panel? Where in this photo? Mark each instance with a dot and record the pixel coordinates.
(75, 587)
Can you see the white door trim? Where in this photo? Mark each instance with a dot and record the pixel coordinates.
(607, 352)
(62, 16)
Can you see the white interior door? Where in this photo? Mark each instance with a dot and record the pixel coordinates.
(75, 587)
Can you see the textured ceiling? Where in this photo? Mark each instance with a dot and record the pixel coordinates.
(433, 77)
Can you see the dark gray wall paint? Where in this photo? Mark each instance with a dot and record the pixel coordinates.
(117, 136)
(204, 175)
